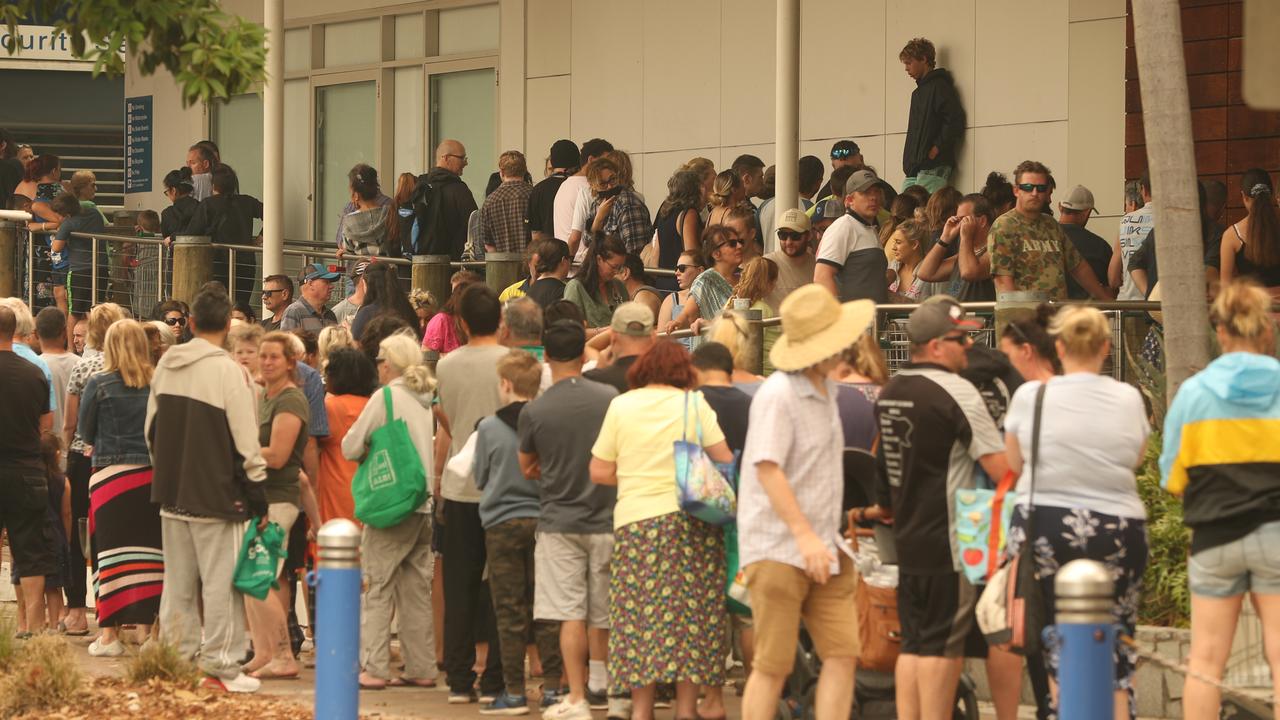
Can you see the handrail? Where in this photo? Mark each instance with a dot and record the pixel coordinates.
(141, 240)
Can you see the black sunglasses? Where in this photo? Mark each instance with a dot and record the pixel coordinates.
(790, 235)
(682, 268)
(268, 293)
(732, 244)
(179, 321)
(1038, 187)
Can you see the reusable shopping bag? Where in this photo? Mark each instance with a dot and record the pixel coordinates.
(702, 487)
(259, 560)
(735, 589)
(982, 524)
(391, 482)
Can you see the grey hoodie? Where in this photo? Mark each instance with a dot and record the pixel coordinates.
(363, 231)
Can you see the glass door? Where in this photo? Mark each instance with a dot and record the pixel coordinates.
(464, 108)
(346, 132)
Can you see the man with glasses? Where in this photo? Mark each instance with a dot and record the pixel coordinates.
(277, 295)
(443, 228)
(933, 426)
(794, 256)
(309, 312)
(1029, 251)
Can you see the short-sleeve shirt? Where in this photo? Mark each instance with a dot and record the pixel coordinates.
(852, 247)
(599, 312)
(565, 203)
(26, 399)
(1094, 250)
(541, 213)
(25, 352)
(933, 426)
(798, 428)
(1035, 253)
(301, 315)
(281, 485)
(638, 434)
(560, 426)
(313, 387)
(1134, 228)
(793, 273)
(468, 392)
(712, 292)
(90, 363)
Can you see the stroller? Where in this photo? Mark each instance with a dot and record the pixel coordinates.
(874, 689)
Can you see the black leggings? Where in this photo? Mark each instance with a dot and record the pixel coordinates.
(79, 469)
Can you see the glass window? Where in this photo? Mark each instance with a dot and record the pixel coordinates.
(237, 129)
(346, 125)
(468, 29)
(463, 106)
(411, 36)
(409, 121)
(353, 43)
(297, 50)
(297, 158)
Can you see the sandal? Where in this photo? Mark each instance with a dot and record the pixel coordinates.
(411, 682)
(369, 682)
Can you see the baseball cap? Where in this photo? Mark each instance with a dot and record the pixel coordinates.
(861, 181)
(843, 149)
(794, 220)
(564, 154)
(358, 269)
(319, 271)
(632, 318)
(938, 316)
(1078, 199)
(563, 340)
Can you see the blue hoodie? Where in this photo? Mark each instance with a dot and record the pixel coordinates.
(1222, 448)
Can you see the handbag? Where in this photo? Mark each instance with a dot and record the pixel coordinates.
(391, 482)
(1011, 611)
(701, 485)
(260, 555)
(982, 526)
(879, 629)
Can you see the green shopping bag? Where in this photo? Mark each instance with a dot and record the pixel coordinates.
(260, 554)
(735, 589)
(391, 482)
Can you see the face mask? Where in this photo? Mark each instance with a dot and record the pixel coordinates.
(614, 191)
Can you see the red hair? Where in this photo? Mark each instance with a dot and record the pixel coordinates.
(666, 363)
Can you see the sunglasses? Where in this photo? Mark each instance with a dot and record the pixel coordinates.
(731, 243)
(179, 321)
(1037, 187)
(682, 268)
(790, 235)
(841, 153)
(269, 293)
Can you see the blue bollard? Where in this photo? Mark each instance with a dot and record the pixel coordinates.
(337, 632)
(1086, 641)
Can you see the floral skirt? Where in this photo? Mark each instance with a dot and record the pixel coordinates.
(666, 602)
(1066, 534)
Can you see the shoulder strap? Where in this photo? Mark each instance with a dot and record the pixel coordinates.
(1035, 444)
(684, 426)
(1235, 227)
(386, 399)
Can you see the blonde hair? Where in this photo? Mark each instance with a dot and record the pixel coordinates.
(730, 330)
(866, 357)
(757, 275)
(128, 352)
(102, 317)
(331, 338)
(523, 371)
(166, 335)
(80, 181)
(290, 346)
(404, 355)
(25, 324)
(245, 332)
(512, 164)
(1243, 310)
(915, 231)
(723, 187)
(626, 175)
(702, 166)
(1083, 331)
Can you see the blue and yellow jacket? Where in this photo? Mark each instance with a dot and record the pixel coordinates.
(1222, 448)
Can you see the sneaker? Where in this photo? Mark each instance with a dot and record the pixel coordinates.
(598, 700)
(97, 648)
(461, 698)
(239, 684)
(619, 708)
(489, 697)
(565, 710)
(507, 704)
(551, 697)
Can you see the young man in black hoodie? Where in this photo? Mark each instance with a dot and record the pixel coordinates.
(202, 431)
(935, 127)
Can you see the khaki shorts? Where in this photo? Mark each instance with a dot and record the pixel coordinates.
(782, 595)
(285, 515)
(571, 577)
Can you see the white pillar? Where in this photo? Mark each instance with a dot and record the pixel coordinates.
(273, 142)
(787, 111)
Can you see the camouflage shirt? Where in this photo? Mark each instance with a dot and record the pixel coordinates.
(1035, 253)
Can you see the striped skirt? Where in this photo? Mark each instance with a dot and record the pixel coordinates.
(124, 528)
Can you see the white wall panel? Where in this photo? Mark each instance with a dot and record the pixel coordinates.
(1095, 9)
(547, 121)
(1002, 148)
(659, 167)
(1095, 103)
(949, 25)
(608, 75)
(549, 37)
(748, 71)
(681, 77)
(1021, 62)
(842, 68)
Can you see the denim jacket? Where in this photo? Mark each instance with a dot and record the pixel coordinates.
(112, 418)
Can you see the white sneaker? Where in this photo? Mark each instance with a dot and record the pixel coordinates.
(565, 710)
(112, 649)
(242, 684)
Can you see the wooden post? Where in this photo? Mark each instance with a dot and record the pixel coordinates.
(192, 265)
(753, 359)
(10, 267)
(502, 269)
(432, 273)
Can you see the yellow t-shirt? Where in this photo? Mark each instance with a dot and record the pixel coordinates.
(512, 291)
(638, 434)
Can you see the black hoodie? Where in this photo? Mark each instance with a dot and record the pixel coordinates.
(449, 210)
(937, 118)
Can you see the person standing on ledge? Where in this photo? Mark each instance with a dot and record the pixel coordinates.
(935, 126)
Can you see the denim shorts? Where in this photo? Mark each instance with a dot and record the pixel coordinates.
(1249, 564)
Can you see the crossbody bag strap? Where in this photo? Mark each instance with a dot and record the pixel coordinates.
(1035, 456)
(684, 425)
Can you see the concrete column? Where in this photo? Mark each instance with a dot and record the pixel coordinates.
(10, 267)
(432, 273)
(273, 142)
(502, 269)
(787, 112)
(192, 265)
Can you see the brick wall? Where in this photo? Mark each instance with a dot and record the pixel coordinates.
(1230, 138)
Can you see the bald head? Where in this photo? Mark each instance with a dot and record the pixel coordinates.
(451, 156)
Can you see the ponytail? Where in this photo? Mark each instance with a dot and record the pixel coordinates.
(1262, 244)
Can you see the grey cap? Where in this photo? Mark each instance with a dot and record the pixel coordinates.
(860, 181)
(937, 317)
(1078, 199)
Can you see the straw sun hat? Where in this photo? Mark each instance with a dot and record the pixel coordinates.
(815, 326)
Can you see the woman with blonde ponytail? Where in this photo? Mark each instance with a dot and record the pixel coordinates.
(1220, 455)
(397, 559)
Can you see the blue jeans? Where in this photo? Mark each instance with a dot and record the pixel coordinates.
(931, 179)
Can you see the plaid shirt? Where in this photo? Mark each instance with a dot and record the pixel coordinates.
(629, 220)
(502, 217)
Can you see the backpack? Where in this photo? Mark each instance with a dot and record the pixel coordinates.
(423, 203)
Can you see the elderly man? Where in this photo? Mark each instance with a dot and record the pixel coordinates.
(309, 312)
(442, 223)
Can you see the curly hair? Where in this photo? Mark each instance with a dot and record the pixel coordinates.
(919, 49)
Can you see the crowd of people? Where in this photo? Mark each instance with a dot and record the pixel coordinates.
(548, 417)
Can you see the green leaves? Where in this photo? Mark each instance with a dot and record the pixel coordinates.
(210, 53)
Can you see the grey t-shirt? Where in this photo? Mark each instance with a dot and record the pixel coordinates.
(560, 426)
(60, 367)
(468, 391)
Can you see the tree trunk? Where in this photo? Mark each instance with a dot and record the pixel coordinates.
(1166, 119)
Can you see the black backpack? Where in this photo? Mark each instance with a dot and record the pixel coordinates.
(423, 203)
